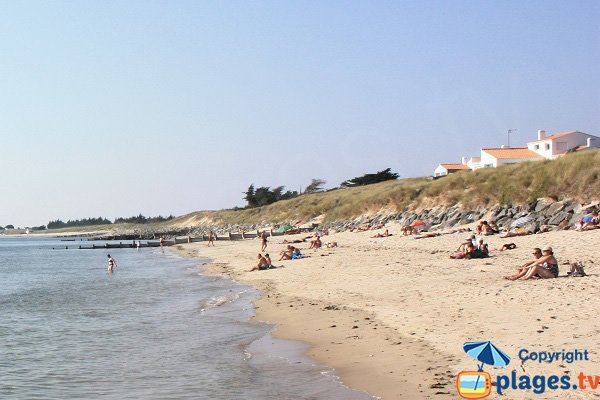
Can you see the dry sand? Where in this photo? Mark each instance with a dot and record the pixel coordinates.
(391, 314)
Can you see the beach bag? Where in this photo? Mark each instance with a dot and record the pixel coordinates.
(579, 270)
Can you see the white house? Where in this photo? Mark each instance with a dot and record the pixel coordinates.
(472, 163)
(558, 144)
(492, 158)
(445, 169)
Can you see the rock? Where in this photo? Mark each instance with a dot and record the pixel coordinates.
(554, 208)
(558, 218)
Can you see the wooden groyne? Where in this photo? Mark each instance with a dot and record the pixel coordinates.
(133, 242)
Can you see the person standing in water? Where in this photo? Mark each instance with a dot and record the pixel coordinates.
(111, 263)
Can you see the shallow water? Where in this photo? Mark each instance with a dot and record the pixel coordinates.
(156, 328)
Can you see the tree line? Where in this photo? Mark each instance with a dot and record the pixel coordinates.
(139, 219)
(264, 195)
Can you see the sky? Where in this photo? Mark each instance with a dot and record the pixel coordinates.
(115, 108)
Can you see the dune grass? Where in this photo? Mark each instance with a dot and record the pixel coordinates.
(575, 176)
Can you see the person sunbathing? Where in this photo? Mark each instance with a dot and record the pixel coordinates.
(261, 264)
(407, 230)
(466, 253)
(494, 228)
(296, 255)
(589, 222)
(381, 235)
(516, 232)
(508, 246)
(481, 251)
(545, 266)
(429, 235)
(315, 244)
(468, 241)
(287, 254)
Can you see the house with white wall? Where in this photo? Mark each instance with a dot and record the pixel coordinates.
(446, 169)
(494, 157)
(545, 147)
(556, 145)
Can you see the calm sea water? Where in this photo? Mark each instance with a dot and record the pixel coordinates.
(154, 329)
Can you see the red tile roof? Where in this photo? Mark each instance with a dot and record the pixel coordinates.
(520, 152)
(555, 136)
(454, 166)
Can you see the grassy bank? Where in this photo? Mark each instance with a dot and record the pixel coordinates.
(575, 176)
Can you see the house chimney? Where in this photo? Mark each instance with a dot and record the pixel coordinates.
(464, 159)
(541, 134)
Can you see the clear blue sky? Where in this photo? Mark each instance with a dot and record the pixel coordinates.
(114, 108)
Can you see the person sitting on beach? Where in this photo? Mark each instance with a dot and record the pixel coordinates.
(479, 227)
(522, 270)
(268, 261)
(493, 227)
(481, 250)
(296, 255)
(407, 230)
(544, 266)
(287, 254)
(315, 244)
(261, 264)
(468, 241)
(467, 253)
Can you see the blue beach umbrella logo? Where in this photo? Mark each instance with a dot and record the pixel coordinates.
(477, 385)
(486, 353)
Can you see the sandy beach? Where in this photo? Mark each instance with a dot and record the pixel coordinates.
(391, 314)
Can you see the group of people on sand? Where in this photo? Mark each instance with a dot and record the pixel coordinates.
(544, 265)
(472, 248)
(263, 263)
(290, 253)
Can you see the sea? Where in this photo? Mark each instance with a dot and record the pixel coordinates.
(155, 328)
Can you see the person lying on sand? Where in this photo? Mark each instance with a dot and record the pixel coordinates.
(588, 222)
(508, 246)
(543, 266)
(261, 264)
(382, 235)
(429, 235)
(517, 232)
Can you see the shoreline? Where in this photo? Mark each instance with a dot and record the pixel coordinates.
(390, 315)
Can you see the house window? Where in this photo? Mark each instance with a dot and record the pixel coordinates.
(488, 166)
(536, 147)
(547, 146)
